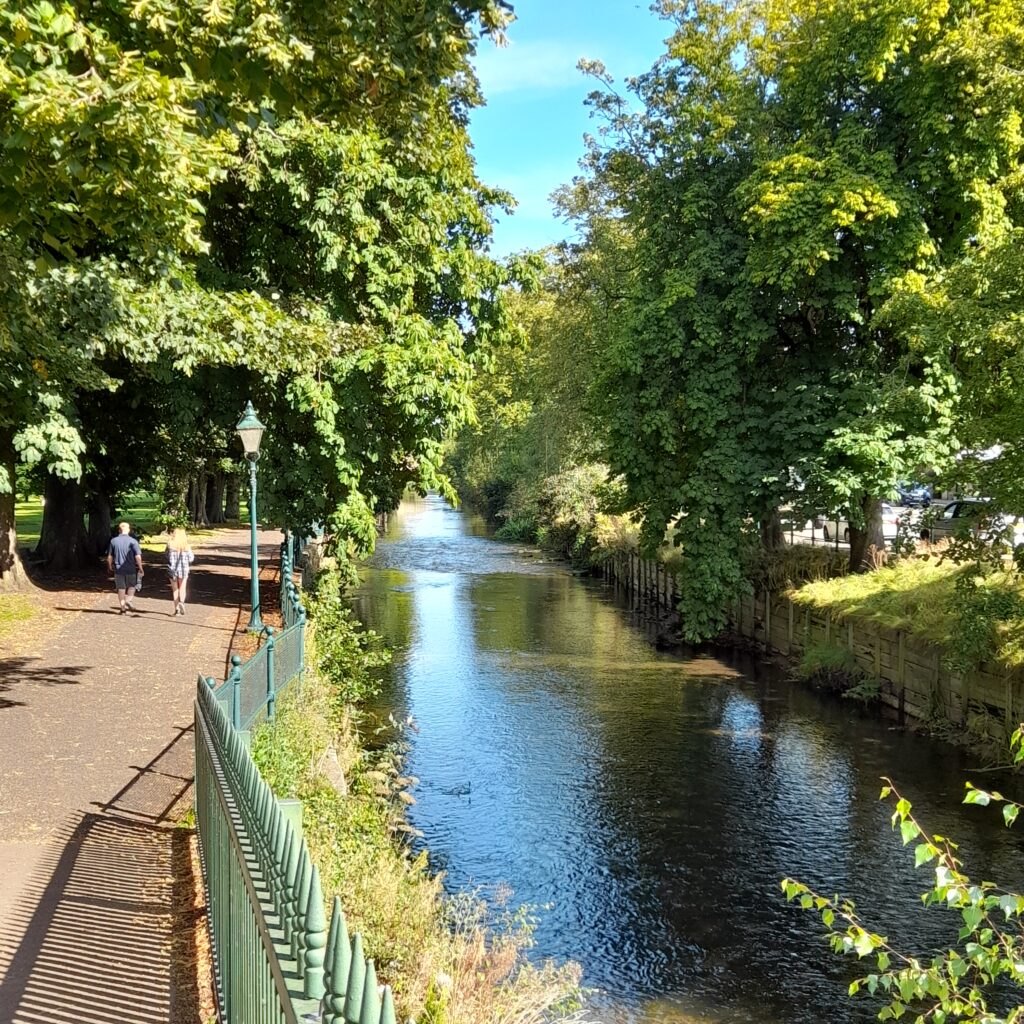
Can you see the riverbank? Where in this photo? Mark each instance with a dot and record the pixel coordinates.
(936, 634)
(448, 959)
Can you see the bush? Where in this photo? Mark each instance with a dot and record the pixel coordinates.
(792, 566)
(349, 657)
(568, 508)
(834, 668)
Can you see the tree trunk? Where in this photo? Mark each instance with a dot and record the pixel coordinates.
(234, 496)
(197, 500)
(12, 573)
(215, 498)
(867, 546)
(98, 510)
(62, 539)
(771, 531)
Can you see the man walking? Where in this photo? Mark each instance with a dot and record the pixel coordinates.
(124, 559)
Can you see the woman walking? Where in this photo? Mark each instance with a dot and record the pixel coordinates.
(179, 558)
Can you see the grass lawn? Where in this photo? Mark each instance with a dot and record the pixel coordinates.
(28, 517)
(140, 510)
(14, 609)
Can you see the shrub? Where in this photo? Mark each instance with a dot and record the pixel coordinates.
(792, 566)
(348, 656)
(834, 668)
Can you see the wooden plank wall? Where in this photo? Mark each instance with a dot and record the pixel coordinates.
(913, 678)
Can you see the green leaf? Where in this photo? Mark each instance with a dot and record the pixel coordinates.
(923, 853)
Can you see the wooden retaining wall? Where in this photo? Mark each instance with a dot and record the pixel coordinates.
(914, 681)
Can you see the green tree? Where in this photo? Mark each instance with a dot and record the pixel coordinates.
(120, 120)
(793, 173)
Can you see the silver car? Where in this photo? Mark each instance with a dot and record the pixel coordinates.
(961, 515)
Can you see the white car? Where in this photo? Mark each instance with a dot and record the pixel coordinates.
(890, 525)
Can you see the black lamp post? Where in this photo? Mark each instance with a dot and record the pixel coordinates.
(250, 430)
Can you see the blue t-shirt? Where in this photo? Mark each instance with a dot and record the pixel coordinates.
(123, 549)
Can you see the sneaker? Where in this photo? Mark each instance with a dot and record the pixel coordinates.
(181, 609)
(130, 606)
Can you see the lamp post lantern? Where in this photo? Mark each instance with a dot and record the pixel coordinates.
(250, 430)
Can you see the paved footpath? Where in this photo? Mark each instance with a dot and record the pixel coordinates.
(95, 771)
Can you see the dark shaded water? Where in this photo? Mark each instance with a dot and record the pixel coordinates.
(652, 801)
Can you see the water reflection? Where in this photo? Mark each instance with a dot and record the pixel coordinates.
(652, 801)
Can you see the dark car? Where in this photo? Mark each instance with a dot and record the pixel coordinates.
(914, 494)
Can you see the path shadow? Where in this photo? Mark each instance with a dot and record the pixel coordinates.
(104, 926)
(157, 791)
(26, 671)
(155, 614)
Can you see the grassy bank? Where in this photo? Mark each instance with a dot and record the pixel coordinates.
(972, 617)
(15, 609)
(449, 960)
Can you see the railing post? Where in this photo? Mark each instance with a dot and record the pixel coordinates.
(302, 641)
(314, 940)
(338, 963)
(356, 978)
(387, 1007)
(300, 894)
(369, 1012)
(236, 691)
(271, 689)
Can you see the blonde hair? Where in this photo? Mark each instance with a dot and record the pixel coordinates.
(179, 539)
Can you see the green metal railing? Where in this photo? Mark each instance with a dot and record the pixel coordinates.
(275, 960)
(251, 688)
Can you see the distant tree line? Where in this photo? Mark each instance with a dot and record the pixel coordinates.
(797, 282)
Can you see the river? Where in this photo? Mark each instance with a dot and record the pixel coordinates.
(649, 802)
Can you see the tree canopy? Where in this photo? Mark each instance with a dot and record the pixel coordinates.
(815, 212)
(281, 189)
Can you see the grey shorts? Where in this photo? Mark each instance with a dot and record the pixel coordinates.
(124, 580)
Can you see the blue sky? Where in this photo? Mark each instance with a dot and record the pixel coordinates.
(529, 137)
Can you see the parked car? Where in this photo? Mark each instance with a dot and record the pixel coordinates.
(914, 494)
(958, 516)
(841, 527)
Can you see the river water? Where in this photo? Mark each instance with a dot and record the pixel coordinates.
(649, 802)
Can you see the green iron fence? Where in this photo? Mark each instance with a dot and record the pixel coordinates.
(275, 960)
(251, 688)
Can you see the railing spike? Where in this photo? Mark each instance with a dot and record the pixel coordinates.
(327, 1015)
(356, 979)
(338, 962)
(387, 1007)
(290, 878)
(301, 892)
(314, 939)
(369, 1011)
